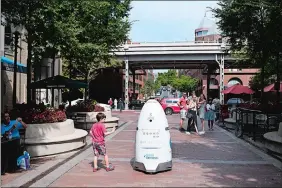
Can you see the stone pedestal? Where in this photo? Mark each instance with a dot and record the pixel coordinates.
(274, 140)
(53, 138)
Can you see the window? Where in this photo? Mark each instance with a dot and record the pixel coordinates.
(168, 102)
(175, 102)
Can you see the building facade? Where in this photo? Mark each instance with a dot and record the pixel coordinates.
(208, 32)
(7, 69)
(41, 71)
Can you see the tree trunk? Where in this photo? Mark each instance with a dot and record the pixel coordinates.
(278, 79)
(29, 67)
(86, 89)
(262, 84)
(53, 74)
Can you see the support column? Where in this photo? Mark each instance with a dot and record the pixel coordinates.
(221, 78)
(126, 97)
(134, 84)
(208, 82)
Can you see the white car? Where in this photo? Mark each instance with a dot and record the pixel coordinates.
(74, 102)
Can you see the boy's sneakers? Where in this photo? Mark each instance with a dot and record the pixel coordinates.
(110, 168)
(188, 133)
(96, 169)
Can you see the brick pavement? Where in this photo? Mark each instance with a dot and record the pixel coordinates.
(215, 159)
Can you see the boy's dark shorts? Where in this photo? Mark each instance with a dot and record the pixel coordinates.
(99, 149)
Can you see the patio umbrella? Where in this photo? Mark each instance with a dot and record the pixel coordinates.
(271, 88)
(238, 89)
(57, 82)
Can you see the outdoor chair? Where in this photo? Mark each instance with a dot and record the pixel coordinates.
(272, 123)
(22, 140)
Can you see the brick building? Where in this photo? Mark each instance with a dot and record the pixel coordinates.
(208, 32)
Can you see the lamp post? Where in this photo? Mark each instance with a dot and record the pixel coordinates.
(17, 31)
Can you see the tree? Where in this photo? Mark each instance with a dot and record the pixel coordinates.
(83, 31)
(104, 26)
(148, 88)
(166, 78)
(185, 83)
(246, 26)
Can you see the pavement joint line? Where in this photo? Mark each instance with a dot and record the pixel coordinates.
(255, 150)
(203, 161)
(64, 168)
(182, 142)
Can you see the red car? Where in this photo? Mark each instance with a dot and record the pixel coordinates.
(170, 105)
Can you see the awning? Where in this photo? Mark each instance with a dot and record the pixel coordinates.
(8, 65)
(57, 82)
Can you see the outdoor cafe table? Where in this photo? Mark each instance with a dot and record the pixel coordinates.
(9, 154)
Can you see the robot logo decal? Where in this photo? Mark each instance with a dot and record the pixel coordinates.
(150, 118)
(150, 156)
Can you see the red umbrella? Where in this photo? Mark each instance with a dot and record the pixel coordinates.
(272, 88)
(238, 89)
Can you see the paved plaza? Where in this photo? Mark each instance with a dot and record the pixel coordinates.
(216, 159)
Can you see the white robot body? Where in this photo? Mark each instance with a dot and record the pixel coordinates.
(153, 143)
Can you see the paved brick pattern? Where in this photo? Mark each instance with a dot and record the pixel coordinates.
(214, 159)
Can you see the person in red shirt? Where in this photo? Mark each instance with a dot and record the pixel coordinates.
(182, 103)
(98, 133)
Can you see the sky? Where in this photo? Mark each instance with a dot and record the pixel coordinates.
(167, 21)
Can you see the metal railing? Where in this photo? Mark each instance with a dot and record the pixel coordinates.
(254, 123)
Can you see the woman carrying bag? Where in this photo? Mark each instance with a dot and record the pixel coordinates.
(192, 115)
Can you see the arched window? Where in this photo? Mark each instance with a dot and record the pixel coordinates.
(234, 81)
(213, 81)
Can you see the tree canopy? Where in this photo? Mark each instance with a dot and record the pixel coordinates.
(253, 27)
(183, 83)
(84, 32)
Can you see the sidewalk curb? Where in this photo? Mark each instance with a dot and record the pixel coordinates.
(64, 168)
(255, 150)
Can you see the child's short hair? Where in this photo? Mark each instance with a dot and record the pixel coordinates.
(100, 116)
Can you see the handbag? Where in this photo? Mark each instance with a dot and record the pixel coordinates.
(189, 115)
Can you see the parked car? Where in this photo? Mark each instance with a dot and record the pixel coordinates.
(74, 102)
(234, 102)
(170, 105)
(136, 104)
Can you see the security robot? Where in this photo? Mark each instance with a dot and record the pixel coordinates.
(153, 142)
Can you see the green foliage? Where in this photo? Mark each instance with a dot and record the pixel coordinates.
(185, 83)
(252, 27)
(166, 78)
(148, 88)
(84, 32)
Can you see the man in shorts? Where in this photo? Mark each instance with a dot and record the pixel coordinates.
(182, 103)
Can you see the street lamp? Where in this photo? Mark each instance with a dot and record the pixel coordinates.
(17, 31)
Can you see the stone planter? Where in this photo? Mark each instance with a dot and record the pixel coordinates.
(91, 119)
(273, 140)
(53, 138)
(91, 116)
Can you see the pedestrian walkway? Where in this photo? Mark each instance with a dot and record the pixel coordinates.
(214, 159)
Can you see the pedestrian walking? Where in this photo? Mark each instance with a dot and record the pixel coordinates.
(98, 133)
(210, 114)
(115, 104)
(110, 102)
(192, 114)
(120, 102)
(182, 103)
(201, 111)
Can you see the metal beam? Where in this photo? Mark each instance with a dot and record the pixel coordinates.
(221, 78)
